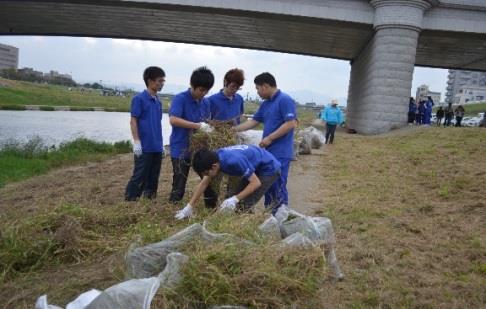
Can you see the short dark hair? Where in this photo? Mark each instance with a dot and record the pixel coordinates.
(202, 77)
(236, 76)
(265, 78)
(203, 160)
(152, 73)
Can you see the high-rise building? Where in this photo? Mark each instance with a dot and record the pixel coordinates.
(9, 57)
(423, 92)
(458, 79)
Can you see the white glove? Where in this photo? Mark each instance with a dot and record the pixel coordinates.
(229, 205)
(137, 148)
(205, 127)
(185, 212)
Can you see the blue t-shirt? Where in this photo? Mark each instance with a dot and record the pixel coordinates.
(244, 160)
(185, 107)
(279, 109)
(148, 111)
(223, 108)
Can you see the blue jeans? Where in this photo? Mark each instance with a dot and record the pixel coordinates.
(278, 194)
(145, 178)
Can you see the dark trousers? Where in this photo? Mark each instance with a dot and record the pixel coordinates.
(330, 129)
(411, 117)
(145, 178)
(247, 204)
(458, 121)
(438, 122)
(447, 121)
(278, 194)
(180, 170)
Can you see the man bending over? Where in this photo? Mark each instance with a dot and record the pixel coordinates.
(257, 168)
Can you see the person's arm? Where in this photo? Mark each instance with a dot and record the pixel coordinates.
(281, 131)
(201, 187)
(134, 129)
(182, 123)
(187, 211)
(247, 125)
(253, 184)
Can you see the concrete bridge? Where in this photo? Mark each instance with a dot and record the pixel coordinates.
(382, 39)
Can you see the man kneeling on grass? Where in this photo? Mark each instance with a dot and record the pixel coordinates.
(257, 168)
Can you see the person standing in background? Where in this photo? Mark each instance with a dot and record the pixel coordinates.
(146, 128)
(333, 117)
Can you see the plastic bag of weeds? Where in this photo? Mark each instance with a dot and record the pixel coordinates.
(150, 260)
(270, 228)
(135, 293)
(317, 229)
(297, 240)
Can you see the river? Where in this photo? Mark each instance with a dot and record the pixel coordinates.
(60, 126)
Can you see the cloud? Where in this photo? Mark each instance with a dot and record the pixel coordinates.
(121, 62)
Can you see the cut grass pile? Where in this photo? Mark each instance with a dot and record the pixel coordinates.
(22, 160)
(407, 208)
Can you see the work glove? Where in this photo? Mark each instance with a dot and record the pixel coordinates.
(205, 127)
(137, 148)
(185, 212)
(229, 205)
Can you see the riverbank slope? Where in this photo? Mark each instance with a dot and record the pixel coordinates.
(407, 207)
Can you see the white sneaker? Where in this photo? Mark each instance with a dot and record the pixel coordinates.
(282, 213)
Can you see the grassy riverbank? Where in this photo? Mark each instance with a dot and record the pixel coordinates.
(407, 207)
(21, 161)
(16, 95)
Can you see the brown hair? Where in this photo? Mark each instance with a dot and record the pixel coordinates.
(236, 76)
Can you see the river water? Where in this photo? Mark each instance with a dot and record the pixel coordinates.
(59, 126)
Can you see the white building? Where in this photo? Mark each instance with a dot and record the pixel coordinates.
(423, 92)
(470, 94)
(9, 57)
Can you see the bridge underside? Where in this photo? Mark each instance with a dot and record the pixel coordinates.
(232, 28)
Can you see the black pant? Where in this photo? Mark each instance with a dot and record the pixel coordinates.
(439, 120)
(411, 117)
(145, 178)
(330, 129)
(180, 169)
(447, 121)
(458, 121)
(247, 204)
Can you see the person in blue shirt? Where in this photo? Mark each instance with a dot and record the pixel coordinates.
(279, 117)
(333, 117)
(227, 104)
(256, 168)
(146, 128)
(428, 110)
(187, 114)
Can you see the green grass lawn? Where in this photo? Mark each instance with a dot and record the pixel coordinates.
(21, 161)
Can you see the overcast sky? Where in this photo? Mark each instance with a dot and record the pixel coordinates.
(118, 62)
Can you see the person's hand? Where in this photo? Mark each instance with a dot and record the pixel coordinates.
(205, 127)
(185, 212)
(137, 148)
(229, 205)
(266, 141)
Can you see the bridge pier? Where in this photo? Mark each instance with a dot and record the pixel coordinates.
(381, 75)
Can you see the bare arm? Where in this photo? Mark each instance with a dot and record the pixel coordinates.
(281, 131)
(134, 128)
(254, 183)
(247, 125)
(182, 123)
(201, 187)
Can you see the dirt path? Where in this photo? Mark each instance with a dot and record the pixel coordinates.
(306, 181)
